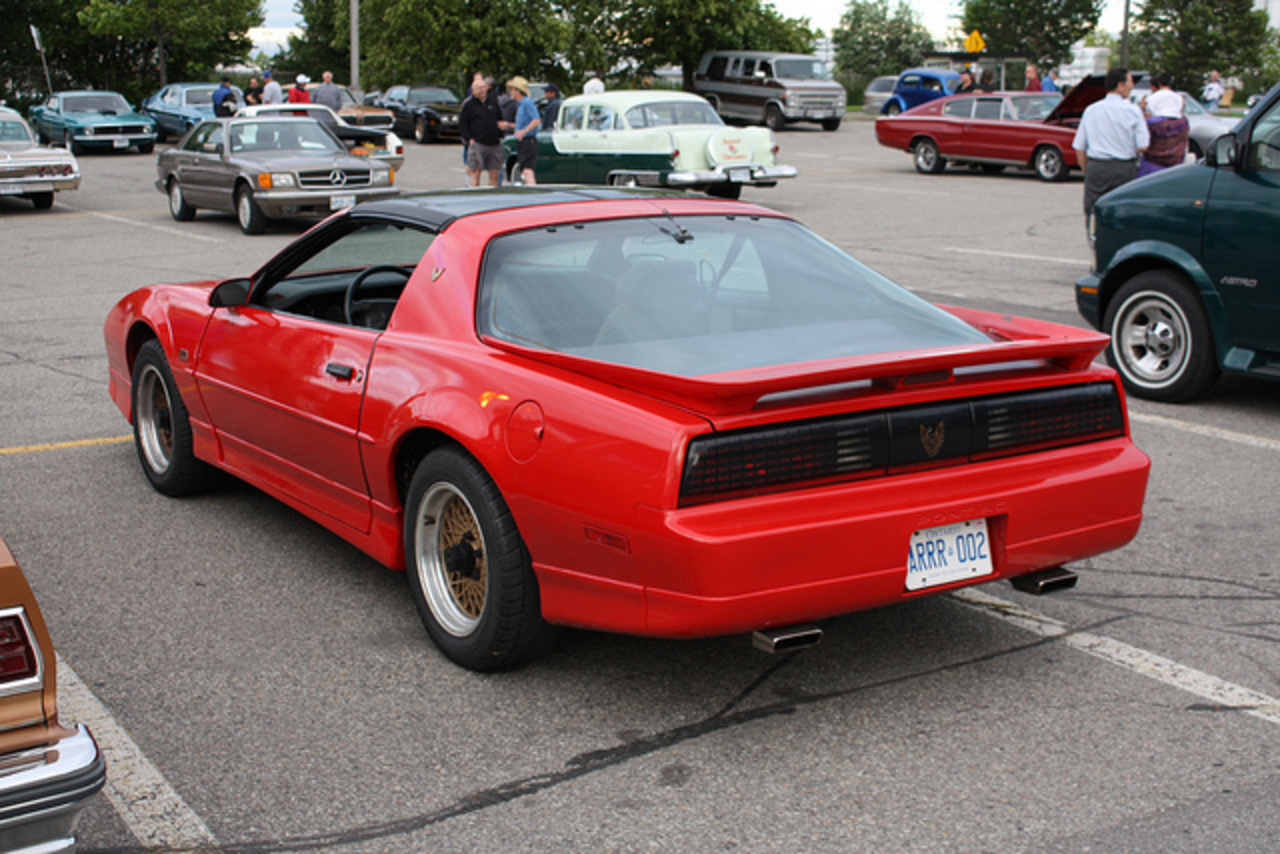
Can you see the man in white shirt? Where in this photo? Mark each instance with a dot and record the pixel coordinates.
(271, 91)
(1111, 136)
(1213, 92)
(1164, 103)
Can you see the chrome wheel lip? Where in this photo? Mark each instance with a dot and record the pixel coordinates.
(155, 420)
(429, 561)
(1152, 340)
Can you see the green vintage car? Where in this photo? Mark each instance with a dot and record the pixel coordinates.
(1187, 266)
(652, 138)
(92, 119)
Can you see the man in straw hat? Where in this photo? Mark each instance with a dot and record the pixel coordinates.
(525, 127)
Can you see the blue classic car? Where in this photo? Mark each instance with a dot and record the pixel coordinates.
(915, 86)
(179, 107)
(92, 119)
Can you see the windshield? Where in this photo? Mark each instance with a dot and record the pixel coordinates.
(103, 102)
(666, 113)
(698, 295)
(14, 131)
(801, 69)
(282, 136)
(432, 96)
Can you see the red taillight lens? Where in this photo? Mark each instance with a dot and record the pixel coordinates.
(17, 653)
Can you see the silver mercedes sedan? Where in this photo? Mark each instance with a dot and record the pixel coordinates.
(267, 168)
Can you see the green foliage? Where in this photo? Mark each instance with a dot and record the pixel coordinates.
(1188, 38)
(325, 43)
(1041, 30)
(186, 37)
(558, 40)
(872, 42)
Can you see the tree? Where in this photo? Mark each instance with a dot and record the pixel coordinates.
(1188, 38)
(870, 41)
(325, 42)
(199, 34)
(1042, 30)
(681, 31)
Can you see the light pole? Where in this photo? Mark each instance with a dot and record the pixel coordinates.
(355, 43)
(1124, 37)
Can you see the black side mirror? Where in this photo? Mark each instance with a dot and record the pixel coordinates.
(1223, 151)
(231, 293)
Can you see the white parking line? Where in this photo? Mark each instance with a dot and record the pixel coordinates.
(1206, 430)
(1197, 682)
(152, 810)
(161, 228)
(1075, 262)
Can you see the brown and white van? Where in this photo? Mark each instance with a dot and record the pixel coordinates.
(770, 88)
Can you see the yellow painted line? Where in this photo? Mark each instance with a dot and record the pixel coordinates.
(58, 446)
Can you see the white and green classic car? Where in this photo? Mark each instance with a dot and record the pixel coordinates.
(652, 138)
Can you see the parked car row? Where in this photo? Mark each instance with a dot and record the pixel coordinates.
(29, 169)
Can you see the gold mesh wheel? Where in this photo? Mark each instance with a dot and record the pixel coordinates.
(451, 560)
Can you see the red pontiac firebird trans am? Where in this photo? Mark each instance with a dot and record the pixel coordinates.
(628, 410)
(992, 130)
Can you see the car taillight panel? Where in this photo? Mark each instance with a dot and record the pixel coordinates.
(757, 460)
(20, 661)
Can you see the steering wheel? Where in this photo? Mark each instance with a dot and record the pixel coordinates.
(351, 305)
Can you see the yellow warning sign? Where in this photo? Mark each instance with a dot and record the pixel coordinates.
(975, 44)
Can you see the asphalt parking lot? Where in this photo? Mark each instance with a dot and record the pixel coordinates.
(259, 685)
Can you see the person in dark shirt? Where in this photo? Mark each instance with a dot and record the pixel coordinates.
(551, 110)
(253, 92)
(224, 99)
(478, 125)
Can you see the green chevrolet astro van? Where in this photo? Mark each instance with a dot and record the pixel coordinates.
(1186, 273)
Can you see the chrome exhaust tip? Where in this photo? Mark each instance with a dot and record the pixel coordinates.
(790, 639)
(1045, 581)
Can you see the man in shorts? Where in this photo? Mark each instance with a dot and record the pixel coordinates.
(525, 128)
(478, 124)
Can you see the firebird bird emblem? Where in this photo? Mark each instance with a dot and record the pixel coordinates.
(933, 437)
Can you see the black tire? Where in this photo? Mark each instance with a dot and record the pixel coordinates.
(42, 201)
(162, 430)
(831, 124)
(1161, 342)
(69, 142)
(773, 118)
(248, 214)
(1049, 164)
(146, 147)
(927, 159)
(1195, 150)
(471, 575)
(513, 173)
(725, 191)
(421, 132)
(892, 108)
(178, 207)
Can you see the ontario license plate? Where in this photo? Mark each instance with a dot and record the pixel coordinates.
(337, 203)
(948, 553)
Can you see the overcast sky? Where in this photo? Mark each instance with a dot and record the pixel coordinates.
(938, 15)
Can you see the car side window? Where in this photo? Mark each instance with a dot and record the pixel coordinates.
(397, 93)
(715, 70)
(987, 108)
(735, 67)
(1264, 142)
(911, 81)
(571, 118)
(748, 67)
(600, 117)
(196, 141)
(960, 108)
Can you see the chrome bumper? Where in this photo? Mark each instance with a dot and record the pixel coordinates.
(22, 186)
(43, 790)
(276, 203)
(744, 174)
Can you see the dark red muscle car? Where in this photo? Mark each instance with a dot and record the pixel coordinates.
(1030, 130)
(627, 410)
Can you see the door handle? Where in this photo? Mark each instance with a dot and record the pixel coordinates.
(342, 372)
